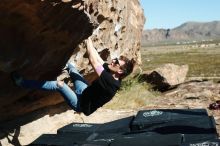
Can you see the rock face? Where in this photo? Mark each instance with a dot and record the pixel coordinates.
(38, 37)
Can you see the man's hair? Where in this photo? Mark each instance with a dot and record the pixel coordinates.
(127, 67)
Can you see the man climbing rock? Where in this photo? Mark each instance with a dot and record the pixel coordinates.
(86, 98)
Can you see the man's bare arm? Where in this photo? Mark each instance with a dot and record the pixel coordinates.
(94, 57)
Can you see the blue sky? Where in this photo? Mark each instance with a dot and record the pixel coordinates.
(172, 13)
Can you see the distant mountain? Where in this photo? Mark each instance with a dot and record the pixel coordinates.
(186, 31)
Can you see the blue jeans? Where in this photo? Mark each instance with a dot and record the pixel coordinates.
(71, 97)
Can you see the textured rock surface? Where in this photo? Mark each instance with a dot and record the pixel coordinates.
(40, 36)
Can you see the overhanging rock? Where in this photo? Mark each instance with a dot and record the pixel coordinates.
(39, 36)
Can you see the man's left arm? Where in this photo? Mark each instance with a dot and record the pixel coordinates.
(94, 57)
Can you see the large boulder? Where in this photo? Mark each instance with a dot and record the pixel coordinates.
(38, 37)
(166, 76)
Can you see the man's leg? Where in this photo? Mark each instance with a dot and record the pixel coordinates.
(80, 84)
(68, 94)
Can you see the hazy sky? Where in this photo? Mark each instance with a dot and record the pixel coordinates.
(172, 13)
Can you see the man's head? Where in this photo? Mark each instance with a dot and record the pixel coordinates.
(122, 66)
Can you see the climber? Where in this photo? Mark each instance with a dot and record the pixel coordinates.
(86, 98)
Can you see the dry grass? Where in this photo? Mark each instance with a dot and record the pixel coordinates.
(133, 94)
(203, 62)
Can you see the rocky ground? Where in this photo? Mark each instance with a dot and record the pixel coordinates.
(193, 94)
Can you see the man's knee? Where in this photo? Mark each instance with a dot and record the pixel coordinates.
(60, 84)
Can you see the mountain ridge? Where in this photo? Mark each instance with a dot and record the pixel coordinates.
(186, 31)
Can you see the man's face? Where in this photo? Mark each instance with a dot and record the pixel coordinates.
(116, 65)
